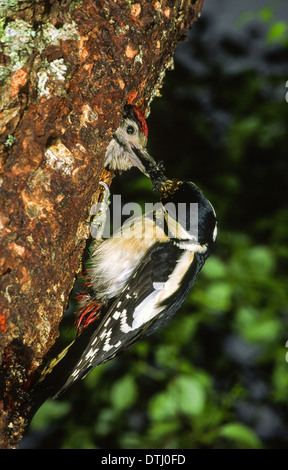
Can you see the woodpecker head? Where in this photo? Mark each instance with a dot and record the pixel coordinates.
(132, 132)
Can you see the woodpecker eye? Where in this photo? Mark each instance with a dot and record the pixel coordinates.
(130, 130)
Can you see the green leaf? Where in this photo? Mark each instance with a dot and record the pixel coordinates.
(278, 32)
(215, 268)
(163, 406)
(280, 376)
(124, 393)
(50, 411)
(261, 260)
(105, 421)
(81, 438)
(185, 395)
(218, 296)
(266, 14)
(241, 435)
(160, 429)
(256, 326)
(190, 395)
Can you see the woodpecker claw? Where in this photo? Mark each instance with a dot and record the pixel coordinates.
(99, 212)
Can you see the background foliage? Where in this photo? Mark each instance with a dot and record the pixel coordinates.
(217, 376)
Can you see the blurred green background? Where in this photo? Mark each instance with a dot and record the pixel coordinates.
(216, 376)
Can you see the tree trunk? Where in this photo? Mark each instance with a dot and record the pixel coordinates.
(66, 70)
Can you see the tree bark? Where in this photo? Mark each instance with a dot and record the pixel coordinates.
(66, 70)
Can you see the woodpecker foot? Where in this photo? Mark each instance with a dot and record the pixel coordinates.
(99, 212)
(86, 314)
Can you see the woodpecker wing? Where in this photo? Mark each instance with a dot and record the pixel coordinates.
(157, 289)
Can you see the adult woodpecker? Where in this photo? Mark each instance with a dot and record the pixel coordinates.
(141, 277)
(132, 133)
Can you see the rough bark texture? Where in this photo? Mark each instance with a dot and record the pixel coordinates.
(66, 70)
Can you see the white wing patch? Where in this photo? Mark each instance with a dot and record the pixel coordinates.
(117, 314)
(215, 231)
(149, 308)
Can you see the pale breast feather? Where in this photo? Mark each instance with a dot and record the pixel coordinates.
(110, 268)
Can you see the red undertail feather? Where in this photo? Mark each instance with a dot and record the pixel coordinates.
(87, 313)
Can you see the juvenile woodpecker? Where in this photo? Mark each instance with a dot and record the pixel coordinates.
(133, 131)
(141, 277)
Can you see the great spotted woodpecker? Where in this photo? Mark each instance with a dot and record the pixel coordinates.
(133, 131)
(141, 277)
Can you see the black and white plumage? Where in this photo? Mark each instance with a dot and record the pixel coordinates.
(133, 131)
(131, 134)
(148, 278)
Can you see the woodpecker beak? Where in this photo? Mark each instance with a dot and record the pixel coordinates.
(155, 171)
(136, 153)
(140, 157)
